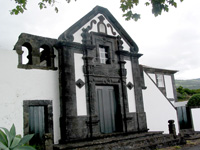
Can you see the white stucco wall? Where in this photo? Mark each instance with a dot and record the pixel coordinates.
(196, 118)
(80, 92)
(17, 85)
(158, 109)
(131, 93)
(153, 76)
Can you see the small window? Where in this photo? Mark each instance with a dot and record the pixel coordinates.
(160, 80)
(103, 55)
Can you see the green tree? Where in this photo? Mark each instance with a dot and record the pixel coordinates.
(127, 6)
(189, 91)
(194, 100)
(180, 90)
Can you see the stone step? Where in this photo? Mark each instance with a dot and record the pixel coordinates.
(124, 141)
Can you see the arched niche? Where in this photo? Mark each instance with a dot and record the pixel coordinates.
(27, 53)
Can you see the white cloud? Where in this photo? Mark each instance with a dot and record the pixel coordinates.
(169, 41)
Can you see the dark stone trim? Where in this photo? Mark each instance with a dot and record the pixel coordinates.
(49, 113)
(129, 54)
(142, 78)
(158, 70)
(73, 45)
(22, 66)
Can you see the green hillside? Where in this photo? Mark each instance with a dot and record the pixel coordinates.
(190, 84)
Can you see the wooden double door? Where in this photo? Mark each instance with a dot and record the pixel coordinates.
(108, 109)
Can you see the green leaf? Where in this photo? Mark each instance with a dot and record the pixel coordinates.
(147, 3)
(56, 9)
(2, 146)
(13, 131)
(175, 4)
(25, 139)
(128, 15)
(3, 138)
(129, 3)
(136, 16)
(41, 5)
(136, 2)
(19, 136)
(123, 7)
(24, 148)
(9, 136)
(166, 8)
(15, 142)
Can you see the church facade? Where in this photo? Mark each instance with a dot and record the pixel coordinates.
(86, 84)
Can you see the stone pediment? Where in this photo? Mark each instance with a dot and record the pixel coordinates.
(94, 21)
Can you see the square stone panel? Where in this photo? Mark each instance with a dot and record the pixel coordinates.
(130, 85)
(80, 83)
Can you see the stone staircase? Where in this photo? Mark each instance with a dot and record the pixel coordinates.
(139, 141)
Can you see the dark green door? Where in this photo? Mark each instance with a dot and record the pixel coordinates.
(106, 108)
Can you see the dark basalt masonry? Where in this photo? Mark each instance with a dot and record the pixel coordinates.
(112, 73)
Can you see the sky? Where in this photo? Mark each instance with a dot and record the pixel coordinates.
(170, 41)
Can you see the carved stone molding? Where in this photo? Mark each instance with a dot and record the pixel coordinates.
(124, 72)
(106, 80)
(91, 24)
(120, 43)
(85, 36)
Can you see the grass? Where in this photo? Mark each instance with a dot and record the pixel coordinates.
(188, 143)
(171, 148)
